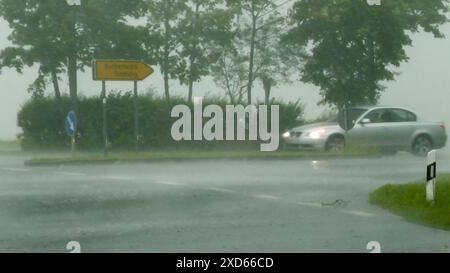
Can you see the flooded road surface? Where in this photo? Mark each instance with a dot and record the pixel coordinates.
(217, 206)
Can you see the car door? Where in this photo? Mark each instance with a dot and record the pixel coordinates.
(402, 127)
(372, 133)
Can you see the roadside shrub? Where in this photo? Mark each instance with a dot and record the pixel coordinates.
(42, 121)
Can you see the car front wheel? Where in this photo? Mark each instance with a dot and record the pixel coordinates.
(335, 144)
(422, 146)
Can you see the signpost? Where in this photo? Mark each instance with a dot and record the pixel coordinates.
(431, 176)
(71, 127)
(345, 123)
(120, 70)
(343, 120)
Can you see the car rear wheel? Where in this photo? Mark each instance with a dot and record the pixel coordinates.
(422, 145)
(335, 144)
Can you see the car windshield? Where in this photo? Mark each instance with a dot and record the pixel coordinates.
(355, 113)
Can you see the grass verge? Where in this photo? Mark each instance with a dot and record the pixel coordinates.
(9, 146)
(409, 201)
(184, 155)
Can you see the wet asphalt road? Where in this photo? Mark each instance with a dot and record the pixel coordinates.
(216, 206)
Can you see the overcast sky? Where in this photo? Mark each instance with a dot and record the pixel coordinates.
(423, 86)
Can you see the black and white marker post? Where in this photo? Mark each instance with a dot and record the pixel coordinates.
(431, 177)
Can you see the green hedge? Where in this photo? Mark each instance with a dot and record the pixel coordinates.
(42, 123)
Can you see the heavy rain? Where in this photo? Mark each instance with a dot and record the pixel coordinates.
(104, 148)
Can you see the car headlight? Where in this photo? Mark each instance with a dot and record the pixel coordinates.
(317, 134)
(287, 135)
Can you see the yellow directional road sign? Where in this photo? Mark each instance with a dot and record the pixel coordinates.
(120, 70)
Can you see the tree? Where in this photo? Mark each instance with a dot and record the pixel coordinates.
(62, 38)
(254, 10)
(353, 46)
(260, 56)
(275, 62)
(36, 41)
(202, 33)
(230, 73)
(163, 41)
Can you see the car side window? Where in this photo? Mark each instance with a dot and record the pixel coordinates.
(400, 115)
(378, 116)
(387, 116)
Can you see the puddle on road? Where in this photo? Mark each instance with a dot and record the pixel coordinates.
(319, 164)
(339, 203)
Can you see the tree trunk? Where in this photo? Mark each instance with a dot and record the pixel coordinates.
(192, 58)
(252, 56)
(166, 48)
(372, 71)
(267, 83)
(191, 90)
(166, 85)
(72, 71)
(55, 83)
(191, 77)
(228, 87)
(232, 99)
(54, 76)
(230, 94)
(72, 64)
(166, 74)
(241, 94)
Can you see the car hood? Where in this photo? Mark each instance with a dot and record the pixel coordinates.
(313, 126)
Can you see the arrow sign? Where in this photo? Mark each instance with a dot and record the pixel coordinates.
(120, 70)
(71, 124)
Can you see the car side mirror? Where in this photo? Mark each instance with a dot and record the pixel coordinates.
(365, 121)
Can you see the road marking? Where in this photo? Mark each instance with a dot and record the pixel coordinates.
(220, 190)
(70, 174)
(119, 178)
(169, 183)
(310, 204)
(267, 197)
(259, 196)
(358, 213)
(16, 170)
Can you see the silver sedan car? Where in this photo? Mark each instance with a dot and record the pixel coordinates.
(391, 129)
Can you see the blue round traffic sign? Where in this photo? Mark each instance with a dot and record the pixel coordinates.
(71, 124)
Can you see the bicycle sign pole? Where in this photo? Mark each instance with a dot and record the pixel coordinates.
(71, 124)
